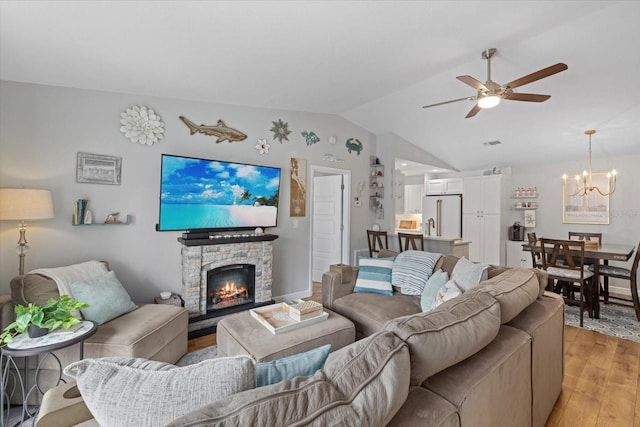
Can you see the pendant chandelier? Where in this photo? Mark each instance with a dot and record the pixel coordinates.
(586, 186)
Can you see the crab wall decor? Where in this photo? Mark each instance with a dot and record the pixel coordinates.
(353, 144)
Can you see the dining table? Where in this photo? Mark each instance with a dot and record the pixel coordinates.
(604, 252)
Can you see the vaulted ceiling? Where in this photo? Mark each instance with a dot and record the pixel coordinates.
(375, 63)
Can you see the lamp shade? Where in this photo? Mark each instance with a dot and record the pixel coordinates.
(25, 204)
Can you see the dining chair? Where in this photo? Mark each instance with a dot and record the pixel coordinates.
(589, 237)
(409, 239)
(375, 240)
(536, 255)
(630, 274)
(564, 262)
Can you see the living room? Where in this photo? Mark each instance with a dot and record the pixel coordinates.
(55, 123)
(45, 122)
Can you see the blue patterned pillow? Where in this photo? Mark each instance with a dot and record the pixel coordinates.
(412, 269)
(374, 275)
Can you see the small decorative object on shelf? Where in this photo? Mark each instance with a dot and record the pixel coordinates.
(112, 218)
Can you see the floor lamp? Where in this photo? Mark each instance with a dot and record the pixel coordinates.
(24, 204)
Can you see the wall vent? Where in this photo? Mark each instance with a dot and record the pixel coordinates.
(490, 143)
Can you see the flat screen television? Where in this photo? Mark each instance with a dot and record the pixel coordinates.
(212, 195)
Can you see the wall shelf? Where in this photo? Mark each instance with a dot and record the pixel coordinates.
(126, 222)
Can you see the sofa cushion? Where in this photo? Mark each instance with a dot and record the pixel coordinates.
(106, 296)
(425, 408)
(367, 313)
(366, 385)
(33, 288)
(412, 269)
(140, 392)
(467, 274)
(430, 291)
(374, 275)
(515, 289)
(451, 333)
(297, 365)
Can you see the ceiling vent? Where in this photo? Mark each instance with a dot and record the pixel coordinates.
(491, 143)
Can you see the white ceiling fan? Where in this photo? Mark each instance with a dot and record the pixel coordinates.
(490, 93)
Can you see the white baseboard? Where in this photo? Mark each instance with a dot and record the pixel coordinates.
(619, 291)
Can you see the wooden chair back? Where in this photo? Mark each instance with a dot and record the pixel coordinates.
(375, 240)
(559, 255)
(536, 255)
(409, 239)
(579, 235)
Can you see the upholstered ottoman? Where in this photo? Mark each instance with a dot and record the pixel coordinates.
(242, 334)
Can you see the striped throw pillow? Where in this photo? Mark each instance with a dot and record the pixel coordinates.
(412, 269)
(374, 275)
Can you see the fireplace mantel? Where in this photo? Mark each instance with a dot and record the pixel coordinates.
(220, 239)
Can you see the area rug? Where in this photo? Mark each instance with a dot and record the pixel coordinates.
(198, 356)
(614, 320)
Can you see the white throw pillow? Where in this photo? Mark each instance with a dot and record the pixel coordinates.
(445, 293)
(468, 274)
(127, 391)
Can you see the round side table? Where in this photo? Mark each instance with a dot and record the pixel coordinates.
(25, 347)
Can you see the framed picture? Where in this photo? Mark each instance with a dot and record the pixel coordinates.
(98, 169)
(591, 208)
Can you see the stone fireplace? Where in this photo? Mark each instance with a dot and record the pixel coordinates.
(210, 268)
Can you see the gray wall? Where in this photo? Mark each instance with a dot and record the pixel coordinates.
(42, 128)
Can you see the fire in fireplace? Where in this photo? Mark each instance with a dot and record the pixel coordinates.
(230, 286)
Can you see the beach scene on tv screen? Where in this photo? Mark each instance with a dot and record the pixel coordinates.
(198, 193)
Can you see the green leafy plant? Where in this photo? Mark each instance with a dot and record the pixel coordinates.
(53, 315)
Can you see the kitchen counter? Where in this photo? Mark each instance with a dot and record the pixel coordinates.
(436, 244)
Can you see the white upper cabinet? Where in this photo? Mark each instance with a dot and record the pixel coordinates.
(482, 195)
(444, 186)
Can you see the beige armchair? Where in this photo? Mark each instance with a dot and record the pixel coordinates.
(151, 331)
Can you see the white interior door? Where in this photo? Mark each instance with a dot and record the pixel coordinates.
(327, 224)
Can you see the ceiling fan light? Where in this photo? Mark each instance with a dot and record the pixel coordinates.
(489, 101)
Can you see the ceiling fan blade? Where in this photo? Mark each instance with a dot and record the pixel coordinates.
(476, 108)
(530, 97)
(474, 83)
(467, 98)
(540, 74)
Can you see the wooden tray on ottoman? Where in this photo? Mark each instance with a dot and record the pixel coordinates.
(277, 320)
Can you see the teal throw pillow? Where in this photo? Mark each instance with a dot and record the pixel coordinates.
(433, 285)
(106, 297)
(374, 275)
(299, 365)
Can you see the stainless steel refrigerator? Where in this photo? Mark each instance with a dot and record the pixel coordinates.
(444, 215)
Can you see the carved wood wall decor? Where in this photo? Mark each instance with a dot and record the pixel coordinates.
(220, 130)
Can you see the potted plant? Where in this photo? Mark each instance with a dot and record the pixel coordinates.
(37, 320)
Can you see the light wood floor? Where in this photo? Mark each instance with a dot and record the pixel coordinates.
(601, 383)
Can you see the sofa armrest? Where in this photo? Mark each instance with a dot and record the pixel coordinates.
(7, 311)
(333, 288)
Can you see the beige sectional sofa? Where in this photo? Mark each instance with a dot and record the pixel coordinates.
(480, 373)
(492, 356)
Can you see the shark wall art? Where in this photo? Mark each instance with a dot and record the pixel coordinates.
(220, 130)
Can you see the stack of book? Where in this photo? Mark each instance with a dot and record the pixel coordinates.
(302, 310)
(79, 211)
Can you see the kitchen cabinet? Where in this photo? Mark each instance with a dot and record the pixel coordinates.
(413, 198)
(516, 257)
(444, 186)
(482, 218)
